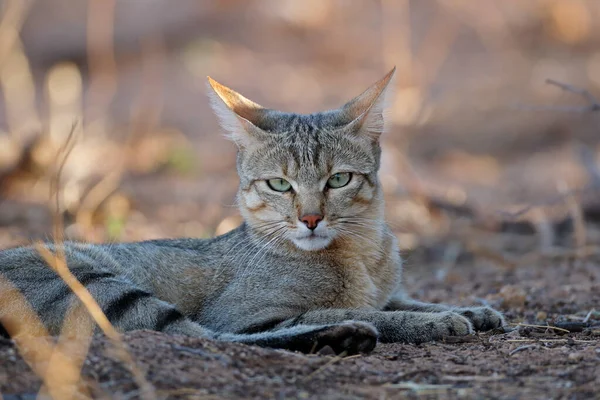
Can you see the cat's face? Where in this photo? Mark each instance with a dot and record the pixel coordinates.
(309, 184)
(307, 179)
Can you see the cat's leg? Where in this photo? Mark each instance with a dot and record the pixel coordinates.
(393, 326)
(482, 318)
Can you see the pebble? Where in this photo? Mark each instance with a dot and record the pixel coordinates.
(575, 357)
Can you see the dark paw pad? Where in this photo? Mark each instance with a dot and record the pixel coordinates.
(347, 338)
(483, 318)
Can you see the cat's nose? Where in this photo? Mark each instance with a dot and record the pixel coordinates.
(311, 220)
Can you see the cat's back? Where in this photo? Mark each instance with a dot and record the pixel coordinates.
(184, 272)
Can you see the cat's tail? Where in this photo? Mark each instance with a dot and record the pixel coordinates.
(346, 338)
(351, 337)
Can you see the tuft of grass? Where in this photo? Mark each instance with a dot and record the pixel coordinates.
(181, 160)
(114, 227)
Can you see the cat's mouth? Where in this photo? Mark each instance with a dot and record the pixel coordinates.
(312, 241)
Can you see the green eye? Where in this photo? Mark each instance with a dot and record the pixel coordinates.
(279, 185)
(339, 180)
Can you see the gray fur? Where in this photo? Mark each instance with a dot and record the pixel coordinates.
(271, 281)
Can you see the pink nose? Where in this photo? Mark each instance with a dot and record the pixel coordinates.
(311, 220)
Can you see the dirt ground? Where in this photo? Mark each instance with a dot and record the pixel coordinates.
(491, 176)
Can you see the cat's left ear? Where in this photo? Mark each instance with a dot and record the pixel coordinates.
(239, 116)
(365, 112)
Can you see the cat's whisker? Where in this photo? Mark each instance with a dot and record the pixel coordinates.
(250, 265)
(274, 242)
(361, 237)
(262, 244)
(246, 245)
(251, 243)
(391, 223)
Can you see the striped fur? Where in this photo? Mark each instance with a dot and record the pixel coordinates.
(272, 281)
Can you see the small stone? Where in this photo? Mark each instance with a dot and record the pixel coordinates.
(575, 357)
(513, 296)
(541, 316)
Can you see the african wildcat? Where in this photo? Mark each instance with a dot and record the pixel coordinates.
(313, 264)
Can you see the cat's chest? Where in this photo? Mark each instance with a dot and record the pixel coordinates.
(352, 284)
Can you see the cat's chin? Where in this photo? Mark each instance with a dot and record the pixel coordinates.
(312, 243)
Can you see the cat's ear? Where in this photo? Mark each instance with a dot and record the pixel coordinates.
(365, 112)
(239, 116)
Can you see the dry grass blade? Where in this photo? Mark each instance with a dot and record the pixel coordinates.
(594, 105)
(100, 192)
(59, 266)
(543, 327)
(59, 372)
(542, 340)
(577, 217)
(58, 262)
(73, 344)
(145, 118)
(423, 389)
(589, 315)
(523, 348)
(15, 12)
(471, 378)
(325, 366)
(64, 151)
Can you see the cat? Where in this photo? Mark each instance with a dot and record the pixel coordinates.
(313, 264)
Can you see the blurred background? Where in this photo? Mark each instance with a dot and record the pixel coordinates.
(474, 131)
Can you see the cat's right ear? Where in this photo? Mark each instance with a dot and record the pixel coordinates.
(239, 116)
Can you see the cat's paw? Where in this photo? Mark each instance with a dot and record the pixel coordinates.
(349, 338)
(436, 326)
(483, 318)
(452, 324)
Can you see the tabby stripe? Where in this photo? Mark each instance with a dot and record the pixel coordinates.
(61, 290)
(88, 277)
(167, 317)
(118, 308)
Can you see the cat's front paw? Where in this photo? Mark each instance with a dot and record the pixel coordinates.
(452, 324)
(483, 318)
(437, 326)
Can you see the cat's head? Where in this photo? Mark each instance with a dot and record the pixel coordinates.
(307, 179)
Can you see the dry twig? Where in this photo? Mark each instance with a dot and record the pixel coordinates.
(593, 105)
(523, 348)
(58, 262)
(543, 327)
(325, 366)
